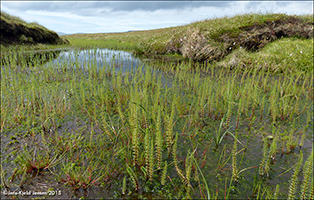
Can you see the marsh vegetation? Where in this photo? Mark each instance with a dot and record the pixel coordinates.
(101, 123)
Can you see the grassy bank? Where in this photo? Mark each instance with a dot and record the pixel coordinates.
(15, 31)
(208, 40)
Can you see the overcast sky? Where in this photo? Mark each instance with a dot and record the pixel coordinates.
(121, 16)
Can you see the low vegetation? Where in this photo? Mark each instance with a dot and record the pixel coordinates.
(209, 40)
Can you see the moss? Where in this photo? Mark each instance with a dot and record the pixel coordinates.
(287, 54)
(252, 34)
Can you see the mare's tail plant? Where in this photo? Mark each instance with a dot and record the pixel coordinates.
(124, 185)
(164, 174)
(147, 148)
(189, 165)
(239, 113)
(134, 129)
(307, 187)
(229, 114)
(269, 155)
(151, 160)
(174, 154)
(158, 139)
(133, 178)
(169, 131)
(234, 162)
(293, 180)
(275, 196)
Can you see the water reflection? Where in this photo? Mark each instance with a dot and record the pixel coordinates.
(99, 57)
(29, 58)
(119, 61)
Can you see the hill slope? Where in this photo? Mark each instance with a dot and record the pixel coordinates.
(14, 30)
(209, 40)
(213, 39)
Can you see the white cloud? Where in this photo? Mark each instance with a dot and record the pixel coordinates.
(89, 17)
(297, 8)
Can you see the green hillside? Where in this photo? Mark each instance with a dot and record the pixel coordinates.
(220, 40)
(14, 30)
